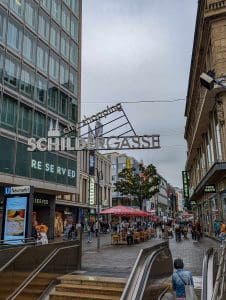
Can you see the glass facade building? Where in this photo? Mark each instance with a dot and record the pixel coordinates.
(39, 84)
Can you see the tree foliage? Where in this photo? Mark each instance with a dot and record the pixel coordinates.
(142, 185)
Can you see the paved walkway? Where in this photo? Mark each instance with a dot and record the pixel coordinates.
(118, 260)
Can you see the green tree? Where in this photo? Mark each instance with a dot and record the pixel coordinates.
(142, 186)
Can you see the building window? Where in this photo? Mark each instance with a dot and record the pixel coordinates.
(7, 147)
(27, 82)
(53, 93)
(12, 72)
(75, 7)
(42, 57)
(1, 65)
(2, 26)
(40, 89)
(73, 81)
(64, 75)
(63, 104)
(43, 25)
(17, 6)
(46, 4)
(65, 45)
(39, 124)
(54, 66)
(65, 21)
(55, 36)
(74, 28)
(30, 15)
(9, 112)
(73, 110)
(29, 44)
(24, 123)
(14, 35)
(219, 144)
(74, 54)
(56, 9)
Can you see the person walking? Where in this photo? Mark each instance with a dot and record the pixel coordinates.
(89, 231)
(222, 235)
(180, 279)
(217, 228)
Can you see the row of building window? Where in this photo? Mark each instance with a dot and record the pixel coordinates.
(22, 78)
(15, 159)
(25, 120)
(38, 54)
(34, 16)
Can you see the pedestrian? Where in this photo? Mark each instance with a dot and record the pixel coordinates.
(217, 228)
(222, 235)
(180, 279)
(89, 231)
(42, 234)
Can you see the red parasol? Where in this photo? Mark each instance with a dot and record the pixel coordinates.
(121, 210)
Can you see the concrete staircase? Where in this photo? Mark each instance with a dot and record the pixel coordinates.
(88, 287)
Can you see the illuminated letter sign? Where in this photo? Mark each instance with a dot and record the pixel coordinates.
(91, 191)
(185, 184)
(210, 188)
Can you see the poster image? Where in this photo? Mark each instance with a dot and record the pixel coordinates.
(15, 218)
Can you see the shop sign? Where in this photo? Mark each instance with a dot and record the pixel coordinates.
(41, 202)
(91, 191)
(185, 184)
(51, 168)
(15, 190)
(211, 188)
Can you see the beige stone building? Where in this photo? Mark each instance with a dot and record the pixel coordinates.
(205, 129)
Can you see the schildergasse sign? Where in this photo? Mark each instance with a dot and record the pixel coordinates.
(58, 141)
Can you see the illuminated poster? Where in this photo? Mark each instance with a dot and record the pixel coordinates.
(15, 218)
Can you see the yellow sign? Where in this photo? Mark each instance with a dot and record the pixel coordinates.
(128, 163)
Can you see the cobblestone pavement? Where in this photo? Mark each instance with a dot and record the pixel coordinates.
(118, 260)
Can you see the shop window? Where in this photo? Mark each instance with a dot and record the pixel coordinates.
(42, 57)
(74, 54)
(12, 72)
(9, 112)
(74, 28)
(27, 82)
(56, 9)
(23, 159)
(54, 66)
(40, 89)
(63, 104)
(43, 25)
(53, 95)
(24, 124)
(39, 124)
(2, 26)
(55, 36)
(73, 84)
(65, 20)
(30, 15)
(65, 45)
(14, 35)
(7, 147)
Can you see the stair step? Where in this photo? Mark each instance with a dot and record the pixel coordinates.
(90, 289)
(93, 280)
(77, 296)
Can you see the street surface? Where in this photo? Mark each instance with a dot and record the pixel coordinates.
(118, 260)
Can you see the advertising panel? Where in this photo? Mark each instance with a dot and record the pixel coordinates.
(15, 218)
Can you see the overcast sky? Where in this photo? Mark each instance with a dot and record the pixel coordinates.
(141, 50)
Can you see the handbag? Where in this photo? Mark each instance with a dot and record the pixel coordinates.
(189, 289)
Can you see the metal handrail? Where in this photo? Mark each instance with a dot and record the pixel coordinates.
(145, 257)
(12, 259)
(36, 271)
(205, 268)
(219, 287)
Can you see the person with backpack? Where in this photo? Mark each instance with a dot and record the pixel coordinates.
(181, 281)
